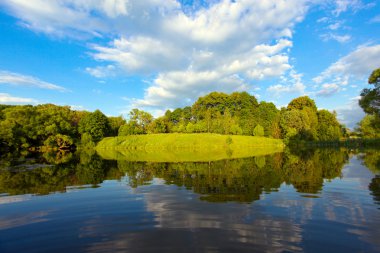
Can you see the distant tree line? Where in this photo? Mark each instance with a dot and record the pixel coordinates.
(241, 114)
(238, 113)
(51, 125)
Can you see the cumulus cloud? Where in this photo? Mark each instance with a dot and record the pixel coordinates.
(225, 46)
(6, 98)
(292, 83)
(328, 89)
(86, 18)
(17, 79)
(357, 64)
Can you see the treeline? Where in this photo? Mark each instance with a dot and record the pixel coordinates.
(238, 113)
(49, 125)
(241, 114)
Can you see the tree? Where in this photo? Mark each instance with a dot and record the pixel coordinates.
(96, 124)
(159, 125)
(115, 123)
(258, 130)
(328, 126)
(301, 103)
(130, 128)
(140, 119)
(370, 98)
(369, 127)
(268, 115)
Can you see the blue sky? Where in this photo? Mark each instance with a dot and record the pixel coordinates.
(115, 55)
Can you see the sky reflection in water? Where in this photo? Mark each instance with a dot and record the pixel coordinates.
(315, 201)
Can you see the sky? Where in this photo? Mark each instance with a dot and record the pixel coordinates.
(116, 55)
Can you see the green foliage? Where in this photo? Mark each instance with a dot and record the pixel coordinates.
(59, 141)
(115, 123)
(268, 117)
(96, 124)
(328, 126)
(86, 141)
(369, 126)
(301, 103)
(238, 113)
(141, 122)
(370, 98)
(157, 126)
(130, 128)
(258, 130)
(26, 126)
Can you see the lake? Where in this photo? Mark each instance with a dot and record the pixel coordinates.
(323, 200)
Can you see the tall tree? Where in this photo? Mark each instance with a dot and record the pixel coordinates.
(96, 124)
(370, 98)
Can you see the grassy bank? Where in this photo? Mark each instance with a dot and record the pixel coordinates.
(185, 147)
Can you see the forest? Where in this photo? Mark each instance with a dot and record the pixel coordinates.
(238, 113)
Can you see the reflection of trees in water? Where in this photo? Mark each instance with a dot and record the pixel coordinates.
(371, 160)
(83, 169)
(306, 170)
(374, 187)
(243, 179)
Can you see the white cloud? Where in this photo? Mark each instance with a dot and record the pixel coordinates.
(358, 64)
(351, 113)
(6, 98)
(180, 88)
(338, 38)
(335, 26)
(346, 5)
(141, 54)
(225, 46)
(328, 89)
(101, 71)
(12, 78)
(290, 84)
(87, 18)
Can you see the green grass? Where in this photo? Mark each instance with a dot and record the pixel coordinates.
(185, 147)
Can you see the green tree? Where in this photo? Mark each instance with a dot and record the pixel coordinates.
(302, 102)
(370, 98)
(96, 124)
(141, 119)
(268, 115)
(328, 126)
(369, 127)
(258, 130)
(159, 125)
(115, 123)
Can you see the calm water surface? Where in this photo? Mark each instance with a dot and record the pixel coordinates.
(315, 201)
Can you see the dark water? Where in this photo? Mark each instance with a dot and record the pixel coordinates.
(314, 201)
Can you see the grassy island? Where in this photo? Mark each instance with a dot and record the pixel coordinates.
(178, 147)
